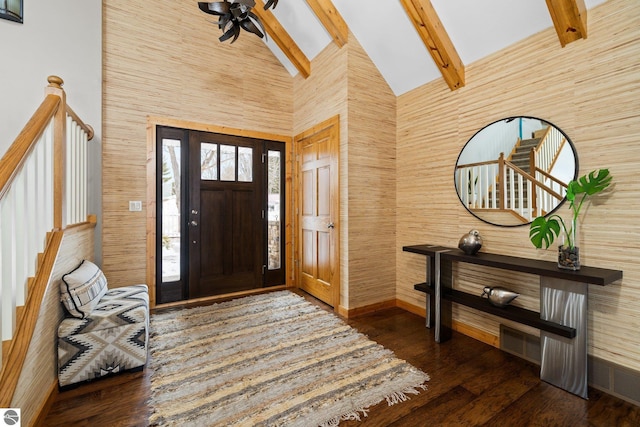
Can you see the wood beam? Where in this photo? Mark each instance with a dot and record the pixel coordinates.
(282, 39)
(569, 18)
(331, 19)
(427, 23)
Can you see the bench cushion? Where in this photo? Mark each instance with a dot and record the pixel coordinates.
(119, 306)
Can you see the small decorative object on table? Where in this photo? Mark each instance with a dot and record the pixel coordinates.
(545, 230)
(500, 297)
(470, 243)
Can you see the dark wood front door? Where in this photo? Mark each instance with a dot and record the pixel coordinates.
(225, 215)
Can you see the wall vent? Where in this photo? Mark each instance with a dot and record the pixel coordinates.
(603, 375)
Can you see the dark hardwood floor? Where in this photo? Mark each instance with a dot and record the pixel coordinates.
(471, 384)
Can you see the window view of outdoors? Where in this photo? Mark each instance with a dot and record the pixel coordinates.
(170, 210)
(274, 226)
(229, 161)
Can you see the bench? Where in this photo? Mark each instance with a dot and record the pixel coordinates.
(105, 330)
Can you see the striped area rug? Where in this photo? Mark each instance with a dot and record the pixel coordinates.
(268, 360)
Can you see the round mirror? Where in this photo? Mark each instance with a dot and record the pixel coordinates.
(514, 170)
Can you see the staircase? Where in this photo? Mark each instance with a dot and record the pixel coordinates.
(43, 193)
(520, 184)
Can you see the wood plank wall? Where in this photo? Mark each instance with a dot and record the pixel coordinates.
(591, 90)
(165, 60)
(39, 373)
(372, 182)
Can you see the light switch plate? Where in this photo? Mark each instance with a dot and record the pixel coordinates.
(135, 206)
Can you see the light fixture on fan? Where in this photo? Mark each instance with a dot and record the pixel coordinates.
(234, 15)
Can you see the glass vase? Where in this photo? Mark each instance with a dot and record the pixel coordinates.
(569, 249)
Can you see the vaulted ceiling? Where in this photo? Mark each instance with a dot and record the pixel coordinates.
(413, 42)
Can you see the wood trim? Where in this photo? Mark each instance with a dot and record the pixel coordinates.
(435, 38)
(91, 222)
(26, 325)
(42, 412)
(569, 19)
(333, 121)
(367, 309)
(331, 20)
(152, 123)
(283, 39)
(186, 124)
(23, 144)
(59, 150)
(476, 333)
(411, 308)
(457, 326)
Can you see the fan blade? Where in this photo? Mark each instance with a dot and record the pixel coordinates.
(233, 31)
(270, 3)
(250, 26)
(257, 21)
(218, 8)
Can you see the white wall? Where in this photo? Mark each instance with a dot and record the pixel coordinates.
(62, 38)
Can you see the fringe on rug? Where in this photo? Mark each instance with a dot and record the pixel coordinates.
(401, 396)
(392, 399)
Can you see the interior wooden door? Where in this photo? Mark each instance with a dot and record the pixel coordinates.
(318, 227)
(224, 214)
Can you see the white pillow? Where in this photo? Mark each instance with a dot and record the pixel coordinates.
(82, 288)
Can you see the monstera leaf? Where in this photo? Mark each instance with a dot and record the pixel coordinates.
(544, 231)
(589, 184)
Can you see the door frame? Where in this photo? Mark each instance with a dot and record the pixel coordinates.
(333, 122)
(152, 123)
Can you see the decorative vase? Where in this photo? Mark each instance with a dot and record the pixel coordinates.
(500, 297)
(471, 242)
(568, 250)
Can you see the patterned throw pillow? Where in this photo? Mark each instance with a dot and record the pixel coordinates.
(82, 288)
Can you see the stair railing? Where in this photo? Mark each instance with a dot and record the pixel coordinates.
(43, 188)
(501, 185)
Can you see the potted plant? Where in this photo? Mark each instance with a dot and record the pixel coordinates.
(544, 230)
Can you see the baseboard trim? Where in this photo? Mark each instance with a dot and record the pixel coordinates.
(366, 309)
(463, 328)
(43, 411)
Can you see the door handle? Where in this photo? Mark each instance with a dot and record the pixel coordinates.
(330, 225)
(193, 223)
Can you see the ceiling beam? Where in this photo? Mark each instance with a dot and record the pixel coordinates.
(282, 39)
(569, 18)
(331, 19)
(437, 41)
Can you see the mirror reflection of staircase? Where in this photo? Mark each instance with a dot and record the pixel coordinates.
(524, 176)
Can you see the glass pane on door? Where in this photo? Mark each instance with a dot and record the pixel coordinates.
(245, 164)
(274, 189)
(208, 161)
(227, 163)
(171, 176)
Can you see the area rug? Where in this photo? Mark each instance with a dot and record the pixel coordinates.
(273, 359)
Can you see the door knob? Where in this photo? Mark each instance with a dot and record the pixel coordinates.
(330, 225)
(194, 212)
(193, 223)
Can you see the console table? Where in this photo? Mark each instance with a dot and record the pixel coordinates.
(562, 319)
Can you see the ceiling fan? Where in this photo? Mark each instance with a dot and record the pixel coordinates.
(234, 15)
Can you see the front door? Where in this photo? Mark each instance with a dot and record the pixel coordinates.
(225, 214)
(318, 231)
(222, 216)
